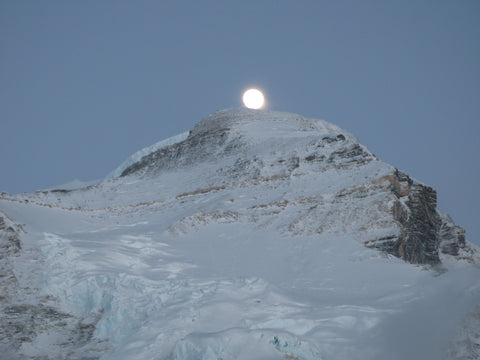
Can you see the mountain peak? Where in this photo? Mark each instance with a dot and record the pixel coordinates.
(238, 117)
(297, 158)
(258, 230)
(227, 118)
(243, 132)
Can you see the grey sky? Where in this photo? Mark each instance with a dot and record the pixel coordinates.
(84, 84)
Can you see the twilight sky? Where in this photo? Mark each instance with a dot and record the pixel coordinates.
(84, 84)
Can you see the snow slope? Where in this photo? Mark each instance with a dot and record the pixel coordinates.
(145, 151)
(244, 240)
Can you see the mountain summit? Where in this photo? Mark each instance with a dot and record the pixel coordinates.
(257, 228)
(256, 145)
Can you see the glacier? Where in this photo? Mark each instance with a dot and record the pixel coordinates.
(245, 238)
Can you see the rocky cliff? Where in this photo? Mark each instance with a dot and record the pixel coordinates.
(424, 232)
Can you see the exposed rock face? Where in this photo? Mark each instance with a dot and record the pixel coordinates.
(9, 247)
(9, 237)
(424, 232)
(195, 149)
(452, 236)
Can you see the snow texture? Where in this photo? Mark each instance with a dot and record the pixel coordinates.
(145, 151)
(243, 240)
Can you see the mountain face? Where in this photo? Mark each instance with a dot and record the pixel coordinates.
(315, 148)
(260, 235)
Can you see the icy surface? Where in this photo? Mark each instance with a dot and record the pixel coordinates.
(250, 253)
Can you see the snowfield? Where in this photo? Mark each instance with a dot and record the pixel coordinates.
(243, 240)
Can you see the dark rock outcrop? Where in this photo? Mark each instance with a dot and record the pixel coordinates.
(196, 148)
(9, 237)
(452, 237)
(424, 231)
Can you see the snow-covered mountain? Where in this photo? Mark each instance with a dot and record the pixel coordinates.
(257, 235)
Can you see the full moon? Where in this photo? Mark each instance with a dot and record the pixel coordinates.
(253, 99)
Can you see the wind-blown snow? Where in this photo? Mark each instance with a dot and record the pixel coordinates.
(145, 151)
(74, 185)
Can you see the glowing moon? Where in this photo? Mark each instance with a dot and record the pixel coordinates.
(253, 99)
